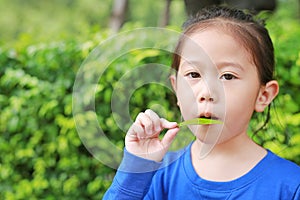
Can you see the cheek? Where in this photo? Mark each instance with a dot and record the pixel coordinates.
(187, 103)
(186, 100)
(240, 104)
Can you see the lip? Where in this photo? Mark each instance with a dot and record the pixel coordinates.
(208, 115)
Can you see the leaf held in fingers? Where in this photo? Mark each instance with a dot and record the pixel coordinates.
(199, 121)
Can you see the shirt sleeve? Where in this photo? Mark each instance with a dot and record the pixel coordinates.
(133, 178)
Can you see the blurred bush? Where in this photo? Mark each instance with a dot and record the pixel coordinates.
(42, 156)
(284, 134)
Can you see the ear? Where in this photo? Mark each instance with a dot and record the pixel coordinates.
(266, 95)
(173, 82)
(174, 85)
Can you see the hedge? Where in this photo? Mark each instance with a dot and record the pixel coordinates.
(42, 155)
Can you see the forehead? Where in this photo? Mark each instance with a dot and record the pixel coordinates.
(214, 44)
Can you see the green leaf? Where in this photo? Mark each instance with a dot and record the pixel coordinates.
(199, 121)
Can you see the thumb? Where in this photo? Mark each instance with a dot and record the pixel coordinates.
(166, 124)
(169, 137)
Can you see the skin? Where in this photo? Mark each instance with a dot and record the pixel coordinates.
(216, 78)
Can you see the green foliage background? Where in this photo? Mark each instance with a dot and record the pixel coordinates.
(41, 154)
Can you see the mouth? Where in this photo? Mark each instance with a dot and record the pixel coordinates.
(208, 116)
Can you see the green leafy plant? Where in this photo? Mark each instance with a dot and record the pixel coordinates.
(199, 121)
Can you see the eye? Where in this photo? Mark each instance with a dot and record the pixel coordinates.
(228, 77)
(193, 75)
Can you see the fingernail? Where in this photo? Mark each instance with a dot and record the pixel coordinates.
(174, 124)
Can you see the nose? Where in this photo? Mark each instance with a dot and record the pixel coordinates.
(206, 94)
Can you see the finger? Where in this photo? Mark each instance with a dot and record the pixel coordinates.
(166, 124)
(135, 132)
(155, 120)
(169, 137)
(145, 121)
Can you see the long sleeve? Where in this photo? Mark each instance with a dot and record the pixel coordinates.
(133, 178)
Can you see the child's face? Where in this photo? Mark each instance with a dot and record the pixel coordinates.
(216, 79)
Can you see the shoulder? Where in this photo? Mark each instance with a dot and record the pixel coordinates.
(282, 164)
(282, 168)
(283, 174)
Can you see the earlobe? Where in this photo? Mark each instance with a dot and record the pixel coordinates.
(266, 95)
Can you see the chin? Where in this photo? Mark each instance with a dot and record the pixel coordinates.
(208, 134)
(206, 139)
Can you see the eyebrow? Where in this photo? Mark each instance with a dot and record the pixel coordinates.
(191, 63)
(219, 65)
(229, 64)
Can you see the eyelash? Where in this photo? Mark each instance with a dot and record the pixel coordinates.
(195, 75)
(225, 77)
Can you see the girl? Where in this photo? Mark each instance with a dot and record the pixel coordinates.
(224, 64)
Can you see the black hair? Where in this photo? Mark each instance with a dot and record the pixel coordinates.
(249, 31)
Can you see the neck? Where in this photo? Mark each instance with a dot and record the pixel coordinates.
(240, 144)
(237, 156)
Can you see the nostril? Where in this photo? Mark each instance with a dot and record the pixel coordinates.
(206, 99)
(202, 99)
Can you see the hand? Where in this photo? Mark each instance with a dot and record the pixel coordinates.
(142, 138)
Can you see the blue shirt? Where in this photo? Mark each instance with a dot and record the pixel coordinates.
(175, 178)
